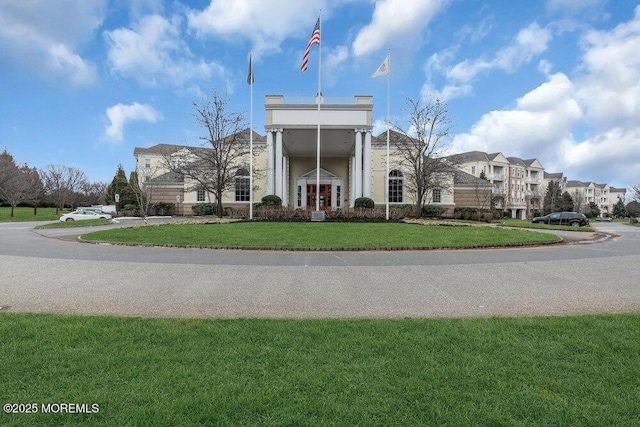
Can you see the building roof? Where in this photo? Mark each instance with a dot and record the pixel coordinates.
(471, 156)
(554, 175)
(516, 161)
(170, 149)
(158, 149)
(167, 178)
(463, 179)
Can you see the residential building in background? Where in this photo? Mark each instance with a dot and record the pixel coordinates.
(517, 183)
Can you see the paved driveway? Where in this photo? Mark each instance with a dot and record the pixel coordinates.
(45, 274)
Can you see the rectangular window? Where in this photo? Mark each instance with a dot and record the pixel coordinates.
(338, 196)
(200, 195)
(242, 189)
(299, 196)
(437, 196)
(147, 163)
(395, 190)
(473, 170)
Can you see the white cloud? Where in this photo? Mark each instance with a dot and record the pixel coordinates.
(120, 114)
(447, 93)
(379, 127)
(265, 24)
(610, 87)
(46, 36)
(542, 118)
(603, 102)
(153, 52)
(396, 22)
(333, 63)
(611, 157)
(529, 43)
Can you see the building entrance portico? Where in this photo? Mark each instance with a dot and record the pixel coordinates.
(345, 152)
(330, 191)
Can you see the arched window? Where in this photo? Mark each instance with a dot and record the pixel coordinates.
(395, 186)
(242, 185)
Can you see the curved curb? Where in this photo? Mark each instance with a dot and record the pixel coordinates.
(329, 249)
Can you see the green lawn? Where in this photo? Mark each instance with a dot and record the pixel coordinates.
(302, 235)
(496, 371)
(26, 214)
(511, 222)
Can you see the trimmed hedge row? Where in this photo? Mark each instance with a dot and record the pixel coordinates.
(473, 214)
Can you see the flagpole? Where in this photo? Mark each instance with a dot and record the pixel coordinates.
(318, 100)
(388, 126)
(251, 136)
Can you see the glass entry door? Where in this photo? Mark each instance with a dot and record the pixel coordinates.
(324, 194)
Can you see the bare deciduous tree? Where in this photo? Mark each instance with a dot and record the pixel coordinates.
(224, 150)
(422, 148)
(635, 193)
(578, 200)
(18, 184)
(62, 184)
(94, 193)
(142, 193)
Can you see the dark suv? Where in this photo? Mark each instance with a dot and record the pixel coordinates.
(563, 218)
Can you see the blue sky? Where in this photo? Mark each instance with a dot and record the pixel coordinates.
(83, 82)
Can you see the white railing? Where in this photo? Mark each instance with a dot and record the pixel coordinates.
(312, 99)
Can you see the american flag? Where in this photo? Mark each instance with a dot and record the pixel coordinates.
(315, 39)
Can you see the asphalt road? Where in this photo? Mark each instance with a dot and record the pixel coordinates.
(50, 271)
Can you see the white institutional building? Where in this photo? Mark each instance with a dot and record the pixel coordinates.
(352, 162)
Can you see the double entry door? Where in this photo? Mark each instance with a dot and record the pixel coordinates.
(324, 194)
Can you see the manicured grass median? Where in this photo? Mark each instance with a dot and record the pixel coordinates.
(309, 235)
(501, 371)
(21, 214)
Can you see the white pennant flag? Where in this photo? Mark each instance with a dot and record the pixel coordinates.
(383, 69)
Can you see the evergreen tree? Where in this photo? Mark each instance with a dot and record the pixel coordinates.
(594, 210)
(120, 185)
(566, 205)
(619, 210)
(552, 198)
(633, 209)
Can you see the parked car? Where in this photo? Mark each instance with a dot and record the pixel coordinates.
(574, 219)
(604, 218)
(81, 214)
(97, 210)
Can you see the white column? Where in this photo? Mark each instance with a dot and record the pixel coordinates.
(366, 184)
(278, 189)
(269, 161)
(352, 182)
(358, 171)
(285, 181)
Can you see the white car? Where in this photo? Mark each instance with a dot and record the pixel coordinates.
(83, 214)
